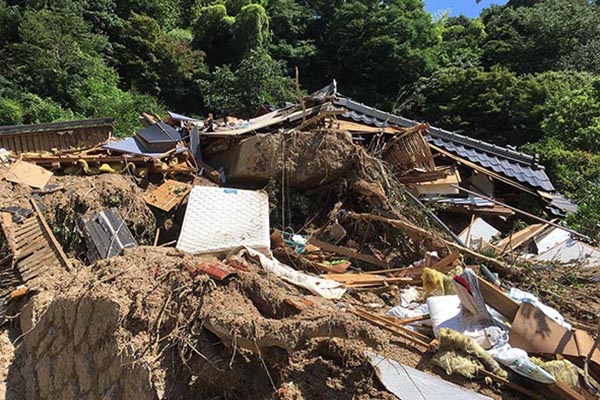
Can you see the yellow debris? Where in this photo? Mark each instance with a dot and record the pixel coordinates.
(462, 355)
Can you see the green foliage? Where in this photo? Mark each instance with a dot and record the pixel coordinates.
(290, 22)
(213, 31)
(574, 118)
(495, 105)
(56, 52)
(380, 47)
(38, 110)
(97, 98)
(547, 35)
(10, 17)
(159, 63)
(259, 79)
(226, 39)
(586, 219)
(251, 29)
(11, 112)
(460, 41)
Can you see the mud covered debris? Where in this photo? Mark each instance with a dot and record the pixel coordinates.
(373, 244)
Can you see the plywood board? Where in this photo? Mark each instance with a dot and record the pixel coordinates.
(28, 174)
(168, 195)
(439, 186)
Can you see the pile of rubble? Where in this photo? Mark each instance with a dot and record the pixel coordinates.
(323, 249)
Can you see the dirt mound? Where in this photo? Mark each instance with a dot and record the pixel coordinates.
(140, 326)
(284, 157)
(82, 196)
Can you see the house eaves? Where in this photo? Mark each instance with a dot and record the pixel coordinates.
(521, 167)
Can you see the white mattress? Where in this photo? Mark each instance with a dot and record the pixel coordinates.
(220, 219)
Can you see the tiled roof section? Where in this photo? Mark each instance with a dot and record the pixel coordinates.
(561, 206)
(533, 176)
(513, 164)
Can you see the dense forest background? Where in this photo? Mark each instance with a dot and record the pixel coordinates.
(526, 74)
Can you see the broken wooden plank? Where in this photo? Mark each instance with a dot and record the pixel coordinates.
(168, 195)
(62, 257)
(446, 264)
(333, 268)
(404, 321)
(366, 279)
(396, 329)
(347, 252)
(517, 239)
(495, 298)
(8, 230)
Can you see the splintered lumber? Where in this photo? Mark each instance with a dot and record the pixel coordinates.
(418, 176)
(417, 230)
(333, 268)
(517, 239)
(350, 253)
(62, 257)
(395, 328)
(404, 321)
(445, 265)
(365, 279)
(525, 213)
(351, 126)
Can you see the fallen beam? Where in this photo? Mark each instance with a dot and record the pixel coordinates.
(350, 253)
(415, 229)
(525, 213)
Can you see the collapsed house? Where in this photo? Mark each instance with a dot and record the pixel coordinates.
(321, 249)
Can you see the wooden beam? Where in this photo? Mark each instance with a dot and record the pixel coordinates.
(347, 252)
(415, 229)
(517, 239)
(394, 328)
(525, 213)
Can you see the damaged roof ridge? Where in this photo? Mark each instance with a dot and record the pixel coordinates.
(386, 117)
(53, 126)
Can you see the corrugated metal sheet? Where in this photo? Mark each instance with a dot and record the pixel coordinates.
(513, 164)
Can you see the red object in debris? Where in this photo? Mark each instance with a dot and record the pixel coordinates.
(216, 270)
(299, 304)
